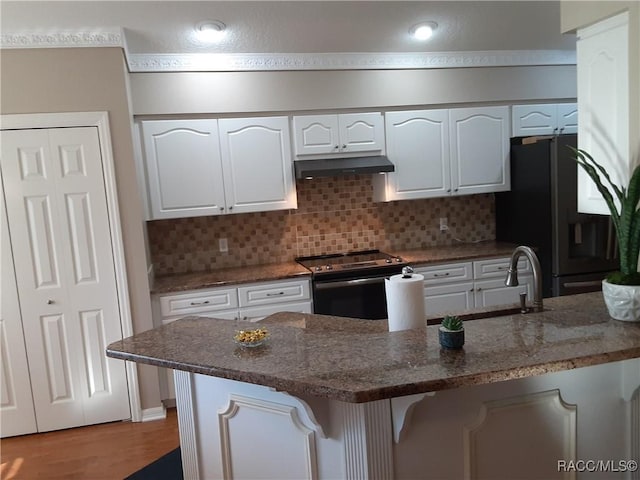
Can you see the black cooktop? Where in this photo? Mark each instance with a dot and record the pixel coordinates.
(349, 261)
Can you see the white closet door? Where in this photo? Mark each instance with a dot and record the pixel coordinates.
(56, 205)
(17, 416)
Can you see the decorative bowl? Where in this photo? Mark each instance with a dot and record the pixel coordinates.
(251, 338)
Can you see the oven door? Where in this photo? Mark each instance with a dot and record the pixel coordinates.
(353, 297)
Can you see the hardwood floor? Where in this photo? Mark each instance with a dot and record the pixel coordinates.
(109, 451)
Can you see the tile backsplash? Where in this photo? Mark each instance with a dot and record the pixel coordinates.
(334, 215)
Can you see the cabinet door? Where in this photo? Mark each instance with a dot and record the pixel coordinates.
(361, 132)
(534, 119)
(184, 168)
(316, 134)
(567, 115)
(17, 415)
(418, 145)
(479, 150)
(257, 166)
(603, 100)
(452, 297)
(491, 293)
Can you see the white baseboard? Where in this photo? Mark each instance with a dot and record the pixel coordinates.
(156, 413)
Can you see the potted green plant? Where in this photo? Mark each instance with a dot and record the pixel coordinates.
(621, 289)
(451, 332)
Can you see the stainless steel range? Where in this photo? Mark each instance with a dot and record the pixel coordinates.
(351, 284)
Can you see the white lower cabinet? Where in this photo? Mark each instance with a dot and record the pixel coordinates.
(455, 287)
(246, 302)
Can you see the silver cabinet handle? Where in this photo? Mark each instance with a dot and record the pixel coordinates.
(275, 294)
(206, 302)
(50, 302)
(441, 274)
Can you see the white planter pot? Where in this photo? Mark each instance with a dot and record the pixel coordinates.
(622, 301)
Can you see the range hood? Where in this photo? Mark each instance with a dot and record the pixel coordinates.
(331, 167)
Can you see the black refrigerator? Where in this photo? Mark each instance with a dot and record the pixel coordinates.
(575, 250)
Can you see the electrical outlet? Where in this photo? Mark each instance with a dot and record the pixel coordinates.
(224, 246)
(444, 225)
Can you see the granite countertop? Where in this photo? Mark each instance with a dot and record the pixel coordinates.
(359, 360)
(228, 276)
(281, 271)
(456, 253)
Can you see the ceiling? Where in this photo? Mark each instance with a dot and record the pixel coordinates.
(303, 27)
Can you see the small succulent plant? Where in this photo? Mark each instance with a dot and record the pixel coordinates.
(452, 322)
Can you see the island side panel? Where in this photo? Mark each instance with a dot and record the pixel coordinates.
(526, 428)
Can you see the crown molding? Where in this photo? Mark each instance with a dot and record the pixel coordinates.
(103, 37)
(254, 62)
(220, 62)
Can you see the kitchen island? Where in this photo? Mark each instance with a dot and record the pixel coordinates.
(329, 397)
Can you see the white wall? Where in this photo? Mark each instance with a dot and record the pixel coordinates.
(80, 80)
(257, 92)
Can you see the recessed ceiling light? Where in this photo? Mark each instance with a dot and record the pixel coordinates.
(210, 30)
(423, 31)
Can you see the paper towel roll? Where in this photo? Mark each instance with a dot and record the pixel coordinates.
(405, 302)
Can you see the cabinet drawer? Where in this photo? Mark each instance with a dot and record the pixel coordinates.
(498, 267)
(199, 302)
(450, 272)
(258, 313)
(276, 292)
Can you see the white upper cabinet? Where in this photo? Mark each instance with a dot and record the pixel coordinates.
(438, 153)
(567, 117)
(418, 145)
(603, 99)
(256, 163)
(184, 168)
(338, 133)
(545, 119)
(211, 167)
(479, 140)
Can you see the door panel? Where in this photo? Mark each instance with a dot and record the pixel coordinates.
(257, 167)
(56, 205)
(17, 415)
(418, 145)
(184, 168)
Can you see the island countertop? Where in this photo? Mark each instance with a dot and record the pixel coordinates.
(360, 360)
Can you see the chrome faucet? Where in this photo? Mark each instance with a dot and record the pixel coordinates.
(512, 276)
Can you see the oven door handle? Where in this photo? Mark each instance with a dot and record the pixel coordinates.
(348, 283)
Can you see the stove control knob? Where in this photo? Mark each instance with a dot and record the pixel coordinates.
(387, 260)
(328, 267)
(398, 259)
(318, 269)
